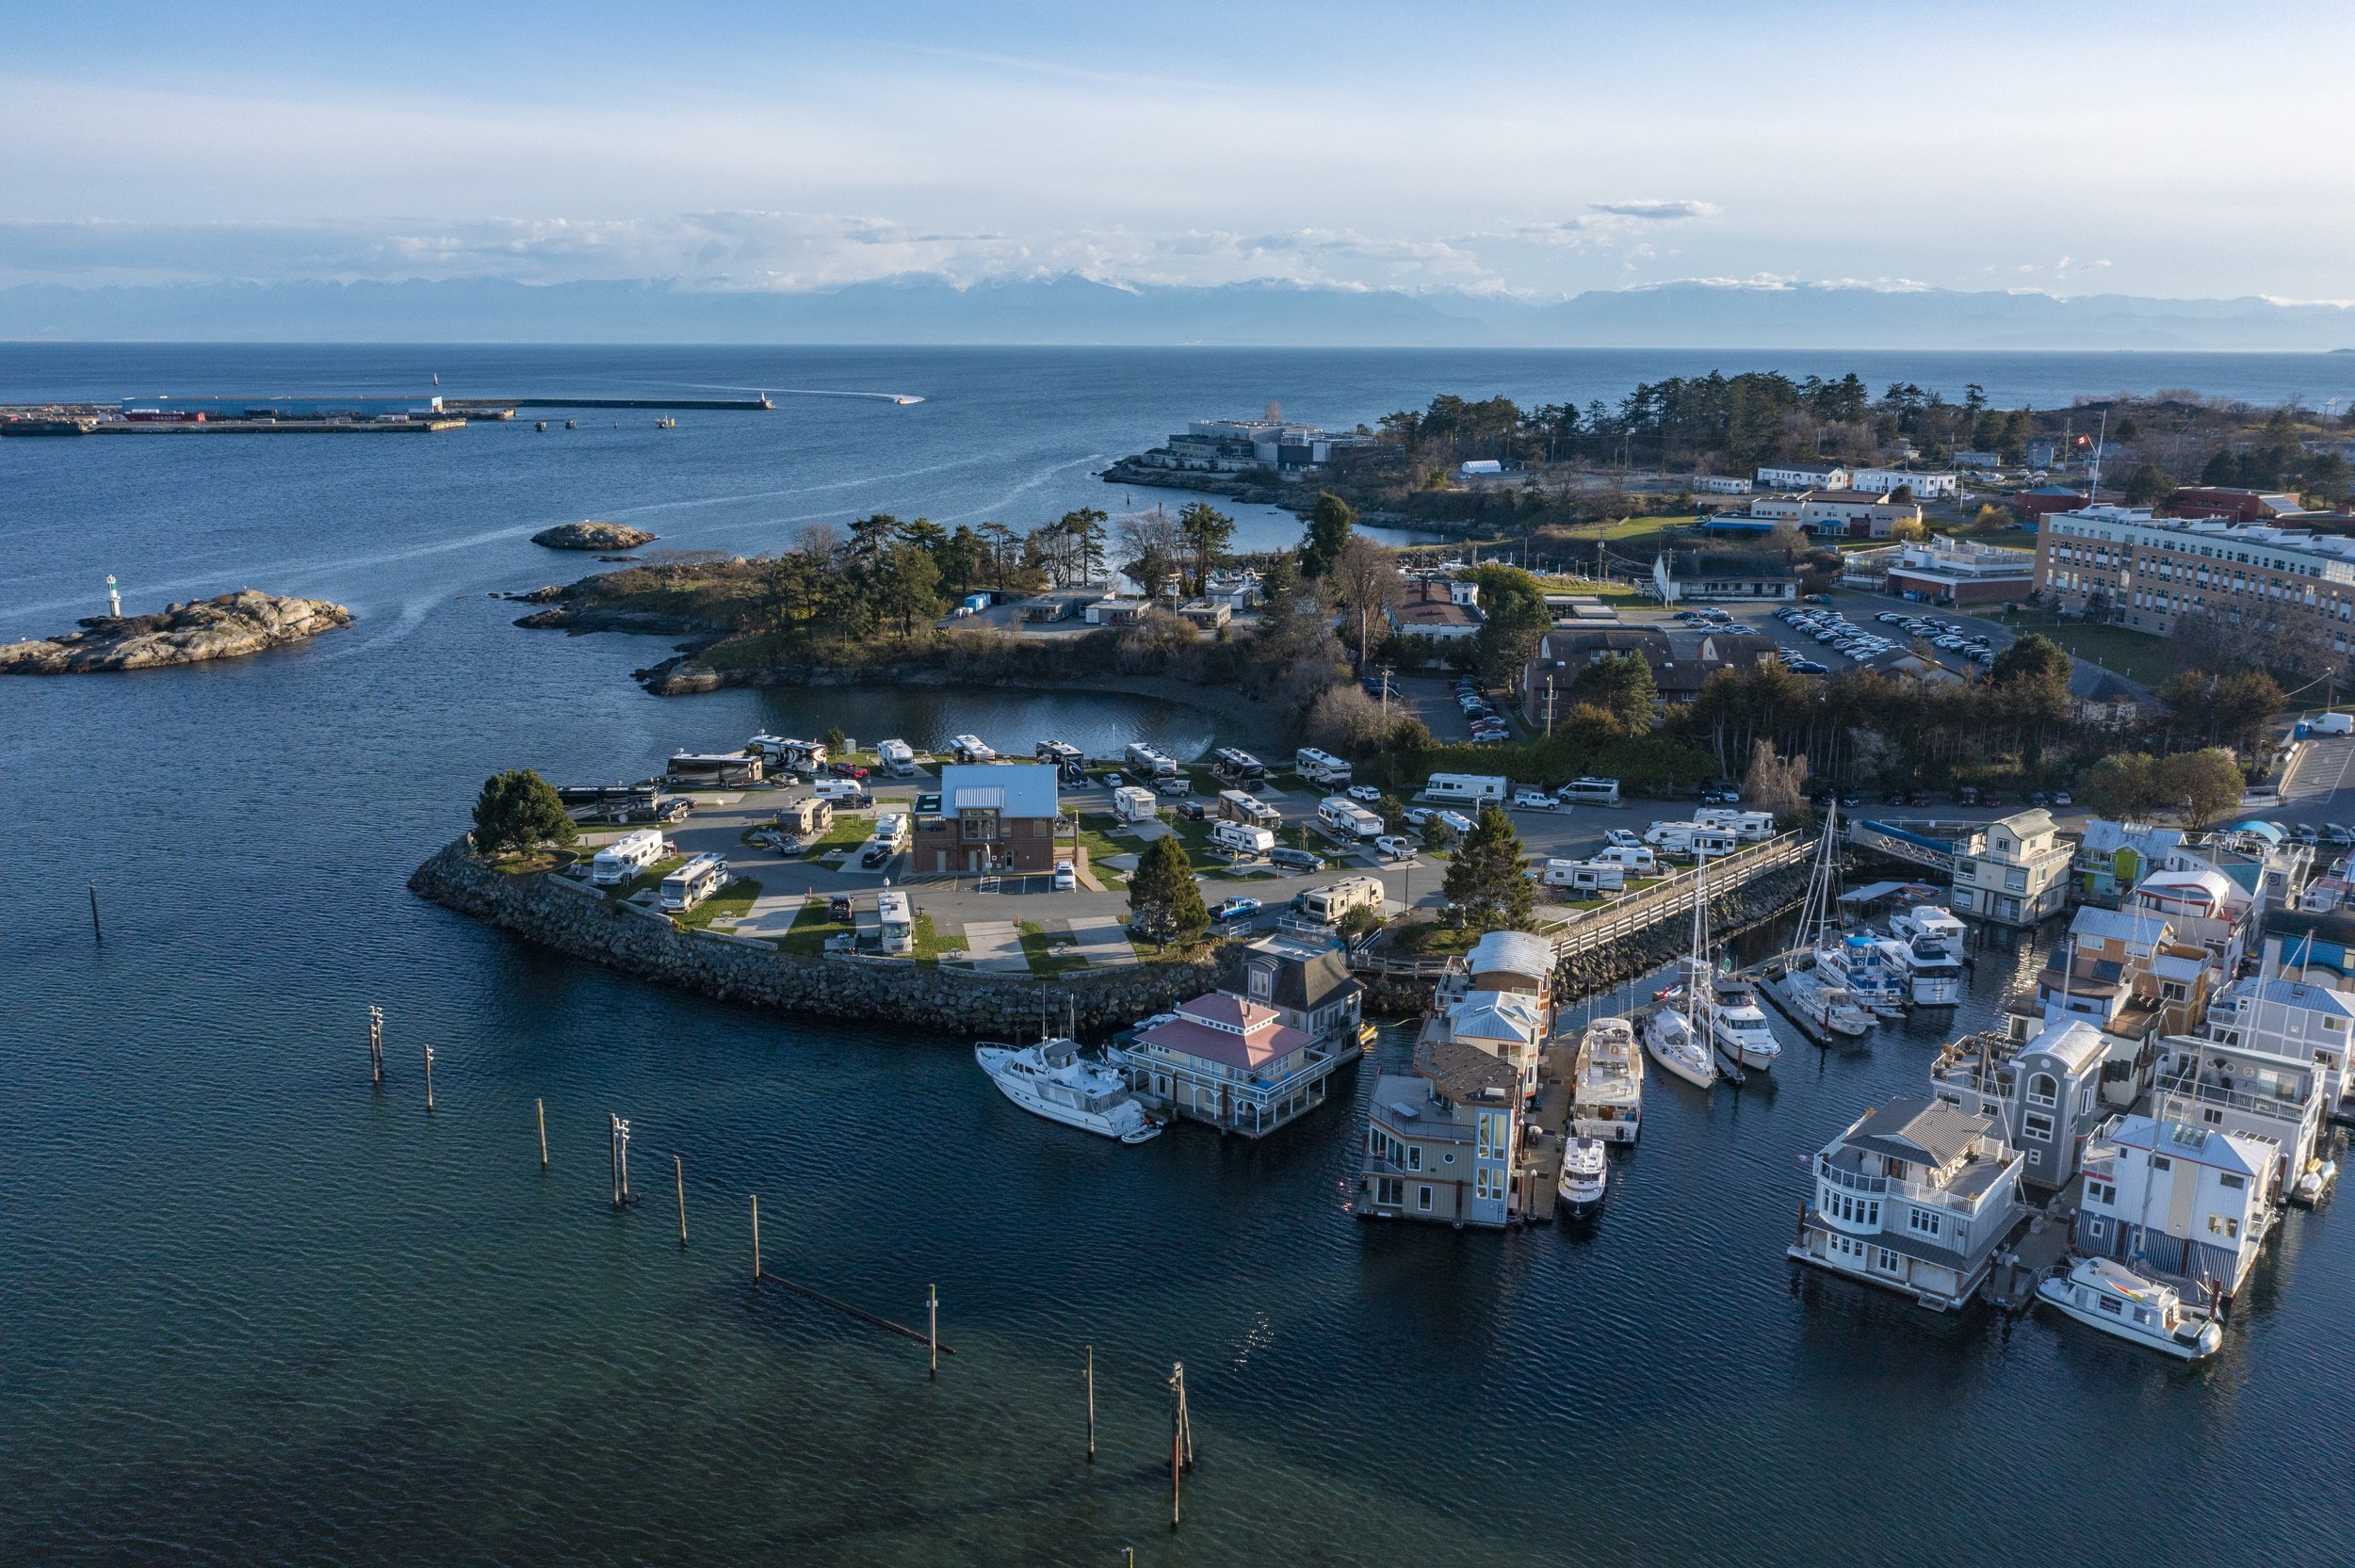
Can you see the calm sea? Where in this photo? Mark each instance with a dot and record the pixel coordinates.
(250, 1312)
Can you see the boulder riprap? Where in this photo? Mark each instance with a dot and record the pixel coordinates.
(229, 627)
(593, 536)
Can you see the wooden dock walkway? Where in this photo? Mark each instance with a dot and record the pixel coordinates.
(2011, 1287)
(1540, 1161)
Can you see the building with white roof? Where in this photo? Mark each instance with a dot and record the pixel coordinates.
(1914, 1196)
(2013, 871)
(1932, 486)
(2044, 1091)
(2197, 1213)
(1943, 571)
(2112, 857)
(1802, 475)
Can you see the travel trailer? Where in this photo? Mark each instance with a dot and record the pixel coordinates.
(1320, 768)
(1349, 819)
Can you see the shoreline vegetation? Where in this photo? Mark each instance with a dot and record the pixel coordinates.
(231, 626)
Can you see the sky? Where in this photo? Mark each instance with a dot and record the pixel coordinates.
(1534, 151)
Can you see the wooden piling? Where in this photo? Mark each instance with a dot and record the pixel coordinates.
(1090, 1404)
(376, 1046)
(97, 932)
(756, 1238)
(540, 1106)
(429, 1079)
(931, 1327)
(679, 1173)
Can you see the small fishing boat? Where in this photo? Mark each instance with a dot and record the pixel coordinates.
(1050, 1080)
(1584, 1173)
(2106, 1295)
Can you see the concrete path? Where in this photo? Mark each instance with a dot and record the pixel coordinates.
(1103, 942)
(995, 946)
(772, 914)
(2325, 766)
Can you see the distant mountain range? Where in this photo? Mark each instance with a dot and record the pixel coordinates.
(1072, 310)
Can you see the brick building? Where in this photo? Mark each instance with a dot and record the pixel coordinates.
(993, 817)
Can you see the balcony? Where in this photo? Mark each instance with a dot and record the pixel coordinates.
(2280, 1105)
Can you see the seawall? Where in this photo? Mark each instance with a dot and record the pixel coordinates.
(561, 915)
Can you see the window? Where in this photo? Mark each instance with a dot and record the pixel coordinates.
(1414, 1156)
(1884, 1260)
(2098, 1228)
(2211, 1115)
(2236, 1183)
(2334, 1024)
(1422, 1198)
(1448, 1158)
(1923, 1220)
(2216, 1224)
(2111, 1305)
(2039, 1127)
(2043, 1090)
(2160, 1162)
(1390, 1191)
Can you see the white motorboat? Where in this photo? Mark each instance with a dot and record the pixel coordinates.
(1728, 1009)
(2103, 1294)
(1924, 947)
(2318, 1179)
(1824, 1008)
(1608, 1101)
(1857, 964)
(1584, 1173)
(1050, 1080)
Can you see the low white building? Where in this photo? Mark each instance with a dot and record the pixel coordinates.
(2012, 872)
(1720, 484)
(1915, 1197)
(1926, 487)
(1802, 475)
(2196, 1213)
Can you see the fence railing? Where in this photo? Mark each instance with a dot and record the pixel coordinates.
(1673, 896)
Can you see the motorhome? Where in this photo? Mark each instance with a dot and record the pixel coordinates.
(713, 769)
(1585, 876)
(1320, 768)
(895, 757)
(798, 756)
(692, 883)
(839, 791)
(1235, 805)
(1237, 768)
(1472, 788)
(1151, 763)
(970, 747)
(1751, 826)
(891, 832)
(1242, 839)
(1133, 804)
(1695, 839)
(625, 857)
(1589, 792)
(1336, 901)
(896, 919)
(1628, 857)
(1348, 820)
(1060, 754)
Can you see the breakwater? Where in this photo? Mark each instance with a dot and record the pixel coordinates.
(1582, 974)
(577, 921)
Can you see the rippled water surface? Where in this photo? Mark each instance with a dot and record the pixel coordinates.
(252, 1312)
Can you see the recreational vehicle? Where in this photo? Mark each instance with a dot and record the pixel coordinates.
(806, 818)
(1585, 876)
(1470, 789)
(1690, 838)
(692, 883)
(1149, 762)
(897, 921)
(1348, 820)
(895, 757)
(1626, 857)
(1237, 768)
(797, 756)
(1335, 901)
(1242, 839)
(1235, 805)
(970, 747)
(1133, 804)
(625, 857)
(1320, 768)
(713, 770)
(1751, 826)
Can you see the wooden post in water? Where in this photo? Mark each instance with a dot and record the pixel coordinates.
(932, 1331)
(96, 931)
(540, 1106)
(376, 1046)
(756, 1238)
(1090, 1404)
(1178, 1444)
(617, 1137)
(679, 1173)
(429, 1079)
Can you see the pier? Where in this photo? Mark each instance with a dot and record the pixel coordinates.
(1548, 1126)
(745, 405)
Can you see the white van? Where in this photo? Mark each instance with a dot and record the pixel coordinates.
(1628, 857)
(1349, 819)
(692, 883)
(625, 857)
(1751, 826)
(1335, 901)
(1585, 876)
(1242, 839)
(1320, 768)
(1589, 792)
(1132, 804)
(1474, 788)
(2331, 724)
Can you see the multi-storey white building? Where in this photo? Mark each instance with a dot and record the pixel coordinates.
(1915, 1196)
(2184, 1201)
(1926, 487)
(1802, 475)
(2146, 571)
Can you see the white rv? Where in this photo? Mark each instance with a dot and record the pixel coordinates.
(1348, 820)
(1133, 804)
(1585, 876)
(1149, 762)
(1242, 839)
(895, 757)
(1691, 838)
(1751, 826)
(1334, 902)
(970, 747)
(1320, 768)
(692, 883)
(897, 918)
(625, 857)
(1589, 792)
(1628, 857)
(799, 756)
(1470, 789)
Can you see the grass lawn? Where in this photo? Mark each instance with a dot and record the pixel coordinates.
(1096, 830)
(732, 902)
(930, 945)
(1631, 527)
(1046, 959)
(2137, 655)
(646, 881)
(1440, 941)
(811, 928)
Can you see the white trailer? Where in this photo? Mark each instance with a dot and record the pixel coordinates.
(971, 747)
(1468, 788)
(625, 857)
(1133, 804)
(1691, 838)
(1628, 857)
(692, 883)
(1336, 901)
(1349, 819)
(1585, 876)
(1242, 839)
(896, 919)
(1320, 768)
(1751, 826)
(1149, 762)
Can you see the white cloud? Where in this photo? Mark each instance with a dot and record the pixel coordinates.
(1653, 212)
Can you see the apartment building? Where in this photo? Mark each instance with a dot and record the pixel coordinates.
(1924, 486)
(2146, 571)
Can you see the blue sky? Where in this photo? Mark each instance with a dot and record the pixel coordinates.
(1539, 150)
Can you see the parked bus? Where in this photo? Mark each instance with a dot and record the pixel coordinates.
(1474, 788)
(625, 857)
(1589, 792)
(1320, 768)
(1348, 820)
(1335, 901)
(692, 883)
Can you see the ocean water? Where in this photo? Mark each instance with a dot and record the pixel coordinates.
(253, 1312)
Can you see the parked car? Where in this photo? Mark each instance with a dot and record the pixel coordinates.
(875, 854)
(839, 908)
(1531, 799)
(1193, 811)
(846, 770)
(2339, 833)
(2061, 798)
(1295, 859)
(1235, 909)
(1066, 876)
(1366, 793)
(1392, 847)
(1415, 817)
(1622, 838)
(1721, 795)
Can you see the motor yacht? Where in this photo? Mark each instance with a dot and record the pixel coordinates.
(1821, 1008)
(1608, 1101)
(1857, 964)
(1728, 1009)
(1924, 947)
(1584, 1173)
(2103, 1294)
(1051, 1079)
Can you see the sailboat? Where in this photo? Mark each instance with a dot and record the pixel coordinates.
(1669, 1033)
(1816, 1000)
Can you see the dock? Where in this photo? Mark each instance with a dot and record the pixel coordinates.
(1541, 1147)
(748, 405)
(2011, 1286)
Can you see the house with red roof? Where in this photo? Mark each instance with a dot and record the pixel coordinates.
(1229, 1061)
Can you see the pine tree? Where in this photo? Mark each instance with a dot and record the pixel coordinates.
(1164, 901)
(518, 811)
(1484, 886)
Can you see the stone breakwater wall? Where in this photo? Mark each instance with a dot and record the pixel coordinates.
(555, 914)
(1730, 915)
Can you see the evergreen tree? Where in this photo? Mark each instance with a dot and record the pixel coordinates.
(519, 811)
(1328, 530)
(1164, 901)
(1484, 886)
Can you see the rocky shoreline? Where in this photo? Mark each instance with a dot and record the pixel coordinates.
(559, 915)
(233, 625)
(592, 535)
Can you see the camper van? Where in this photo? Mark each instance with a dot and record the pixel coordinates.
(1585, 876)
(896, 919)
(1690, 838)
(1237, 768)
(1589, 792)
(895, 757)
(1320, 768)
(1234, 805)
(890, 838)
(1242, 839)
(1152, 764)
(970, 748)
(1628, 857)
(1751, 826)
(1468, 788)
(1348, 820)
(713, 770)
(625, 857)
(692, 883)
(1334, 902)
(1132, 804)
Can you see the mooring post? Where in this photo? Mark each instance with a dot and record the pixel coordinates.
(376, 1046)
(931, 1329)
(540, 1106)
(1090, 1404)
(679, 1173)
(97, 933)
(428, 1077)
(617, 1138)
(756, 1238)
